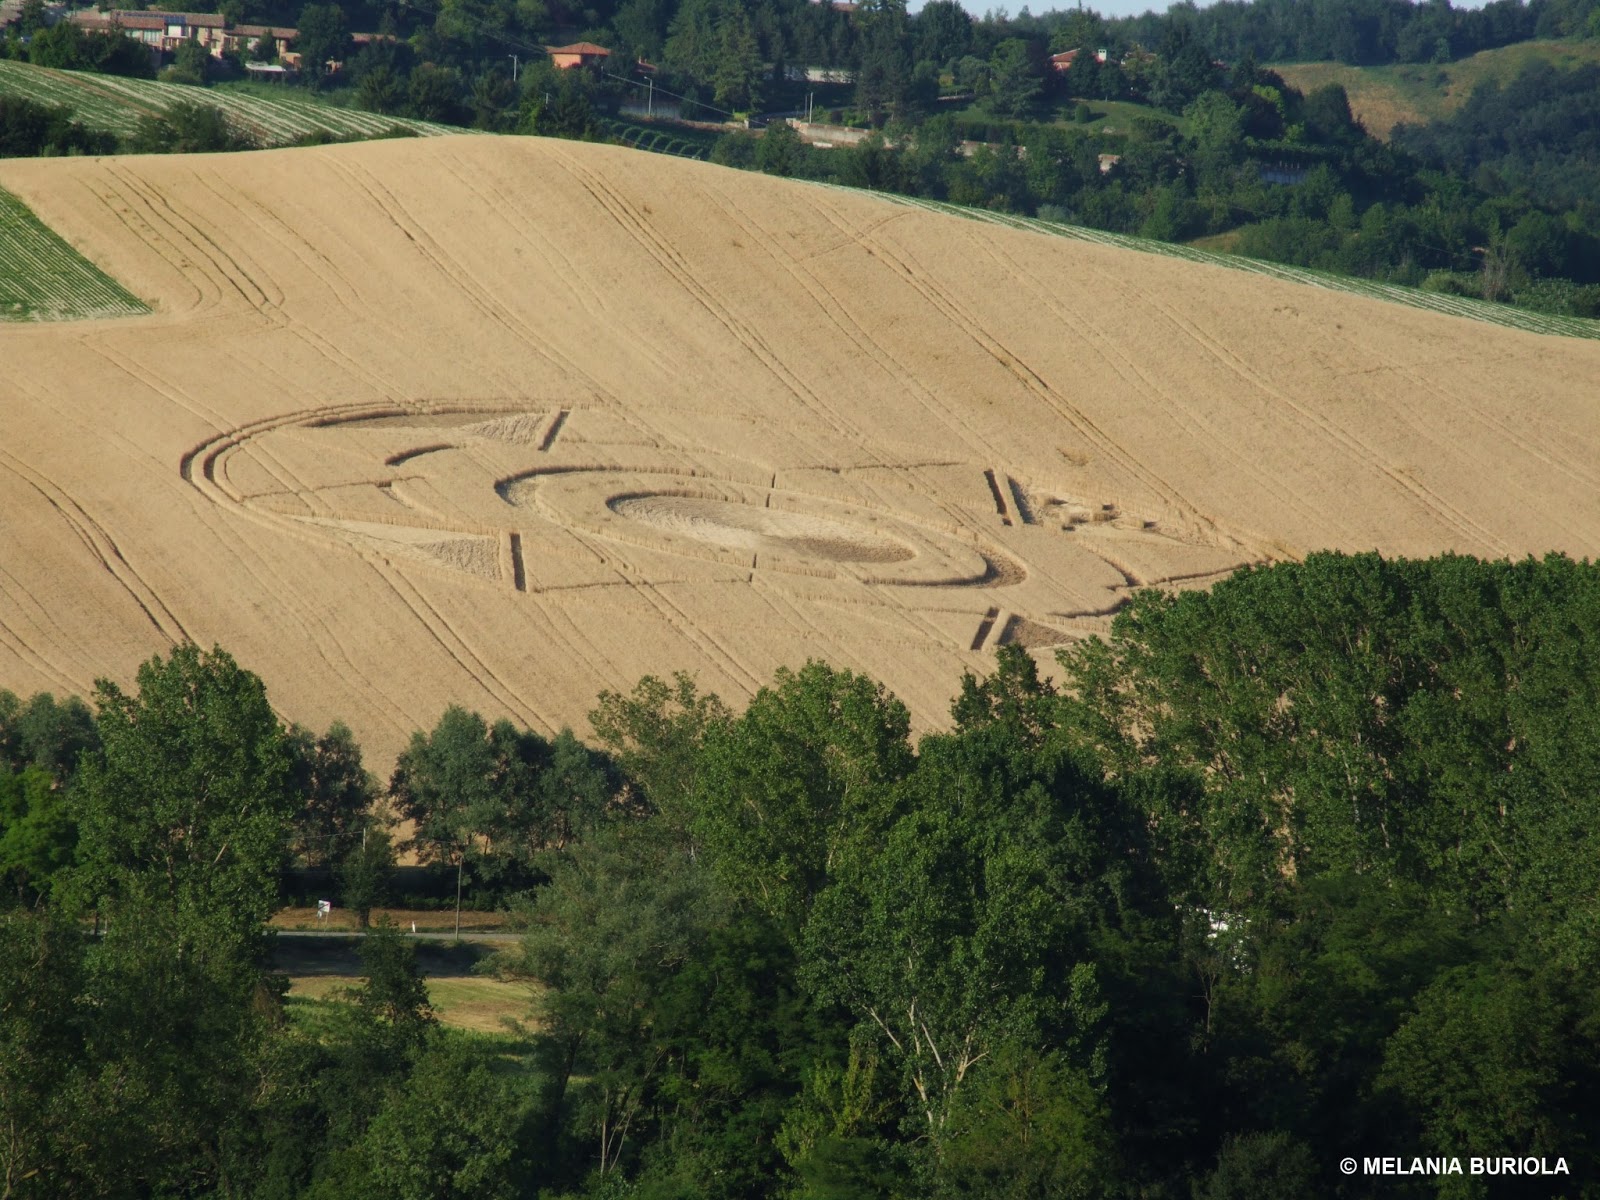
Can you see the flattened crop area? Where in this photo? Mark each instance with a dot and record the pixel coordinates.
(44, 279)
(506, 422)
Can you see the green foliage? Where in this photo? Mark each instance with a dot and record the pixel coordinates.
(435, 94)
(457, 1128)
(190, 64)
(788, 788)
(495, 796)
(29, 130)
(655, 734)
(323, 39)
(45, 733)
(337, 791)
(1298, 868)
(1261, 1166)
(671, 1015)
(38, 836)
(186, 807)
(1029, 1127)
(41, 975)
(69, 47)
(1503, 1056)
(394, 994)
(189, 129)
(1344, 683)
(363, 874)
(1016, 79)
(563, 108)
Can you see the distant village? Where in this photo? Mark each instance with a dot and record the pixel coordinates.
(266, 51)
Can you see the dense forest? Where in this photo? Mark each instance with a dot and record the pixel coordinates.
(1301, 868)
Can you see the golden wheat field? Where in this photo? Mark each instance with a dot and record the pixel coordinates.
(505, 422)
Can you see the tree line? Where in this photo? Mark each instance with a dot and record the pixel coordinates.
(1298, 868)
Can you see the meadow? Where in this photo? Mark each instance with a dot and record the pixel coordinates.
(1416, 93)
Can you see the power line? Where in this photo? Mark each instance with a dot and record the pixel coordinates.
(674, 95)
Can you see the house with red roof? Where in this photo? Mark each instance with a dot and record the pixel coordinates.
(579, 54)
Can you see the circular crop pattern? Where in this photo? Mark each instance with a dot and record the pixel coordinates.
(742, 527)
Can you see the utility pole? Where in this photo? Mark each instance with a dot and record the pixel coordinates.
(650, 100)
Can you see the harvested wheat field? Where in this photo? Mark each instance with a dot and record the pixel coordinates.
(505, 422)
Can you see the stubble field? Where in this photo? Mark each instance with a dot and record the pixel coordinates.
(504, 422)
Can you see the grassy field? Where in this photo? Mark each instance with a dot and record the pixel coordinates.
(117, 105)
(1416, 93)
(44, 279)
(1118, 116)
(324, 970)
(1458, 306)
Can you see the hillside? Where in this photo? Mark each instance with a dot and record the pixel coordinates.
(117, 105)
(508, 421)
(1382, 97)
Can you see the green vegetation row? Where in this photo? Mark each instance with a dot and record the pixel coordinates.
(1303, 868)
(118, 105)
(44, 279)
(1452, 305)
(668, 140)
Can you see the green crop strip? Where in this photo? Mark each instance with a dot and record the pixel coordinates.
(44, 279)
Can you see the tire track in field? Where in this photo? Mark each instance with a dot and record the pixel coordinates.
(588, 298)
(954, 312)
(68, 416)
(1446, 513)
(137, 372)
(833, 308)
(678, 269)
(454, 271)
(1548, 456)
(1127, 368)
(274, 226)
(199, 467)
(31, 658)
(22, 600)
(448, 268)
(680, 624)
(124, 208)
(237, 278)
(507, 318)
(860, 237)
(459, 649)
(204, 466)
(667, 257)
(321, 268)
(676, 619)
(103, 548)
(671, 261)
